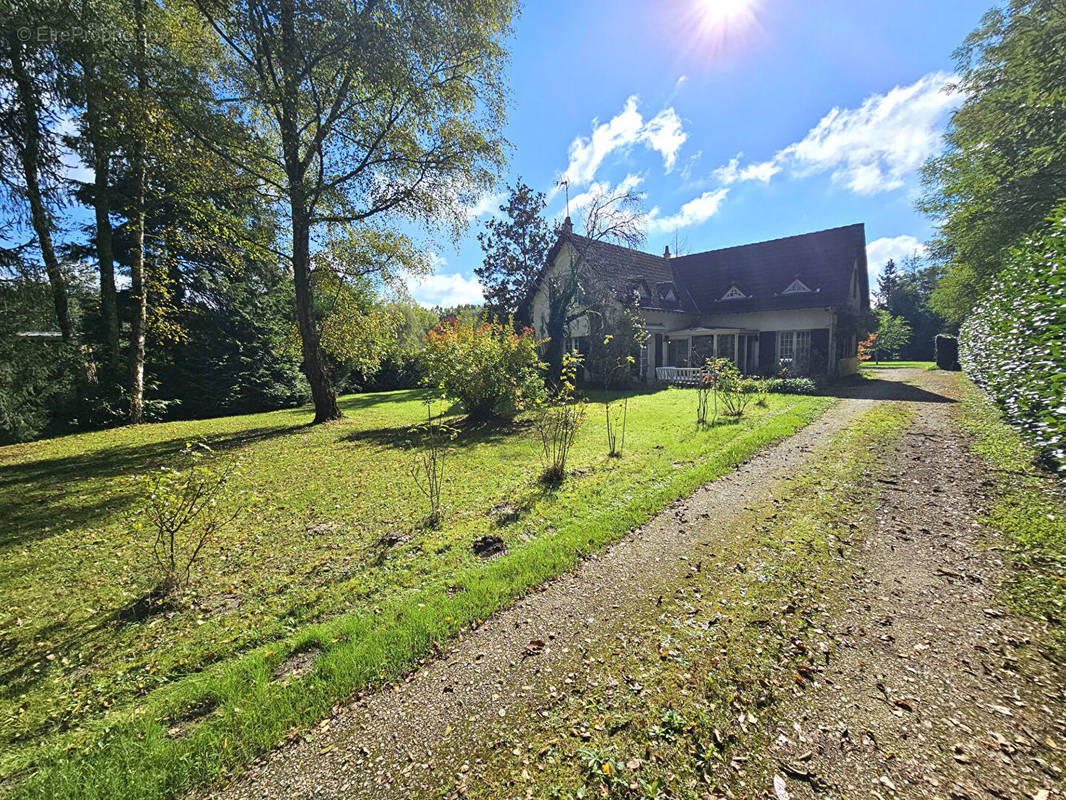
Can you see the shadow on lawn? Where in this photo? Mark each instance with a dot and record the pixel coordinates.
(356, 402)
(467, 433)
(883, 389)
(47, 496)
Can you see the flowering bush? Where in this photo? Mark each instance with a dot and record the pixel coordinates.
(1014, 343)
(867, 347)
(490, 369)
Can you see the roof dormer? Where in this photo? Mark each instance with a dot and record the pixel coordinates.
(641, 290)
(667, 294)
(797, 287)
(734, 294)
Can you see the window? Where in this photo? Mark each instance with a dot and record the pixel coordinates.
(786, 343)
(794, 348)
(725, 346)
(796, 287)
(733, 294)
(677, 353)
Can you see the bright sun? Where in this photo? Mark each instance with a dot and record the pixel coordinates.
(722, 12)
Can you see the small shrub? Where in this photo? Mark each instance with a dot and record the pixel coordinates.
(428, 470)
(183, 509)
(491, 370)
(867, 347)
(790, 385)
(731, 386)
(558, 422)
(616, 413)
(757, 387)
(946, 350)
(705, 393)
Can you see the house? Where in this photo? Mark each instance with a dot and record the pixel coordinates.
(797, 302)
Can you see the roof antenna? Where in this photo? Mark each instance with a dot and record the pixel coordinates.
(565, 183)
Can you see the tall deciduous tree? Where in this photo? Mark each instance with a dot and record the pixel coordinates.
(893, 334)
(97, 89)
(1004, 165)
(364, 109)
(137, 147)
(514, 247)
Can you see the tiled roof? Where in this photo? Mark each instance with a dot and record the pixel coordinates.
(823, 261)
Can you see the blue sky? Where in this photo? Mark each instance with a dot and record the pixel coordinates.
(738, 121)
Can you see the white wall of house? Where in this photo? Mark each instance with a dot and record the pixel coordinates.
(792, 319)
(567, 255)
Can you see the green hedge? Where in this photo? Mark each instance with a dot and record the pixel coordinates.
(1014, 343)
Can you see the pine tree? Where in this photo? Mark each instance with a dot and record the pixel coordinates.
(515, 246)
(887, 283)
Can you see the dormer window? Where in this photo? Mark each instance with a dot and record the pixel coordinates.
(642, 291)
(667, 294)
(797, 287)
(733, 294)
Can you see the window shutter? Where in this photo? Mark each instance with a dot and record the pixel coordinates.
(767, 352)
(820, 351)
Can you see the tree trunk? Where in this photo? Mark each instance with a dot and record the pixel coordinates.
(314, 360)
(102, 206)
(138, 295)
(30, 154)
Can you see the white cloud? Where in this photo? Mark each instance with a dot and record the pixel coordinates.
(879, 251)
(874, 147)
(445, 289)
(678, 84)
(662, 133)
(870, 149)
(587, 153)
(602, 189)
(693, 212)
(732, 172)
(488, 203)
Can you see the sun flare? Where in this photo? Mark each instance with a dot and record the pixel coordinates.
(723, 12)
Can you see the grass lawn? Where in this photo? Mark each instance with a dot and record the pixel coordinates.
(1028, 504)
(329, 570)
(899, 365)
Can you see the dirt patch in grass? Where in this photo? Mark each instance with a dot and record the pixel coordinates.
(489, 546)
(297, 665)
(505, 513)
(150, 604)
(191, 718)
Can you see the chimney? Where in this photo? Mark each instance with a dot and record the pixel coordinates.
(666, 253)
(568, 226)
